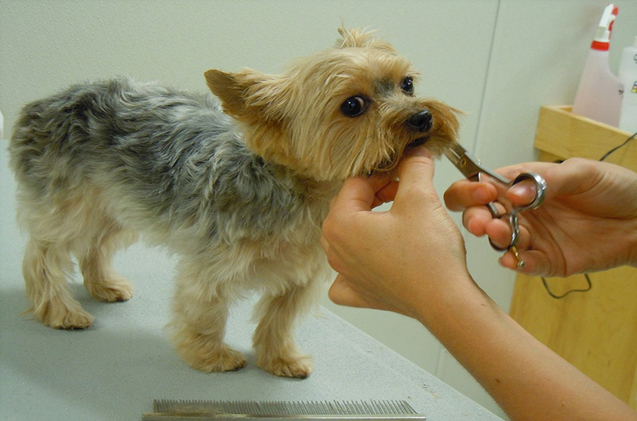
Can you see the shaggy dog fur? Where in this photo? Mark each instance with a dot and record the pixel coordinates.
(238, 189)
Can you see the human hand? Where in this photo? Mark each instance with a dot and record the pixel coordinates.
(588, 221)
(411, 260)
(392, 260)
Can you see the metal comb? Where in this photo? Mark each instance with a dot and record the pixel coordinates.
(200, 410)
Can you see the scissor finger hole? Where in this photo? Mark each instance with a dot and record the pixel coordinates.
(496, 247)
(540, 189)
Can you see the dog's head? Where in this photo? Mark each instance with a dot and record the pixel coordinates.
(349, 110)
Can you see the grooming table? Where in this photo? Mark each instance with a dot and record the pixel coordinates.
(114, 369)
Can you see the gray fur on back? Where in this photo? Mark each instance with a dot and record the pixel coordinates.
(172, 158)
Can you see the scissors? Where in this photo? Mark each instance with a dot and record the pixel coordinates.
(471, 168)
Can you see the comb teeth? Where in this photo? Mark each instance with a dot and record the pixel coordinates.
(269, 409)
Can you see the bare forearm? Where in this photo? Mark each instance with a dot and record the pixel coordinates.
(528, 380)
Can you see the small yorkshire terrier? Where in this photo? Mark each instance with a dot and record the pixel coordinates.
(238, 189)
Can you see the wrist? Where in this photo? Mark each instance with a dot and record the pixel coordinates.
(454, 305)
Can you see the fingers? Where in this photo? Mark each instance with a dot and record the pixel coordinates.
(363, 193)
(386, 194)
(475, 219)
(464, 193)
(470, 197)
(342, 294)
(535, 262)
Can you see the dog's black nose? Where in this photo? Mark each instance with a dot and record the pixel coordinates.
(420, 122)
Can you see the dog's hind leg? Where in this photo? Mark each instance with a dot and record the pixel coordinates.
(200, 311)
(46, 267)
(276, 350)
(100, 280)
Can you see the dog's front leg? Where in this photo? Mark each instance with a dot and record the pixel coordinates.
(200, 312)
(276, 350)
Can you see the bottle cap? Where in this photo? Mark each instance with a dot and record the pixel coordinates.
(605, 27)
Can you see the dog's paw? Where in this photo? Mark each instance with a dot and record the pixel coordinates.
(115, 289)
(299, 367)
(63, 315)
(219, 358)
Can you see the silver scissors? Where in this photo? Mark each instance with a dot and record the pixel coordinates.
(471, 168)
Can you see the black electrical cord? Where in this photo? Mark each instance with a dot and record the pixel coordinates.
(558, 297)
(607, 154)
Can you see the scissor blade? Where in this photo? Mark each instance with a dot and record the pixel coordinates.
(455, 152)
(469, 166)
(463, 161)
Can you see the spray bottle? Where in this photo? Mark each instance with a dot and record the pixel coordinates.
(628, 76)
(599, 95)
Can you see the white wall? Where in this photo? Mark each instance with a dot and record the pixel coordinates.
(498, 60)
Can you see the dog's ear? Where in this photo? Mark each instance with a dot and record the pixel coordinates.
(246, 95)
(357, 38)
(228, 90)
(258, 100)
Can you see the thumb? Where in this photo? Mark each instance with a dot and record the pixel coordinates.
(523, 193)
(415, 173)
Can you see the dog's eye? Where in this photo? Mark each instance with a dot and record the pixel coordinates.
(354, 106)
(407, 85)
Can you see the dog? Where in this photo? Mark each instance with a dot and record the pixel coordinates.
(236, 186)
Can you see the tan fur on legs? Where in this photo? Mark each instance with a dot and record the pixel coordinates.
(204, 353)
(63, 224)
(45, 269)
(200, 312)
(100, 280)
(273, 340)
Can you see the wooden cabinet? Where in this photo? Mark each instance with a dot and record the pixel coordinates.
(596, 330)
